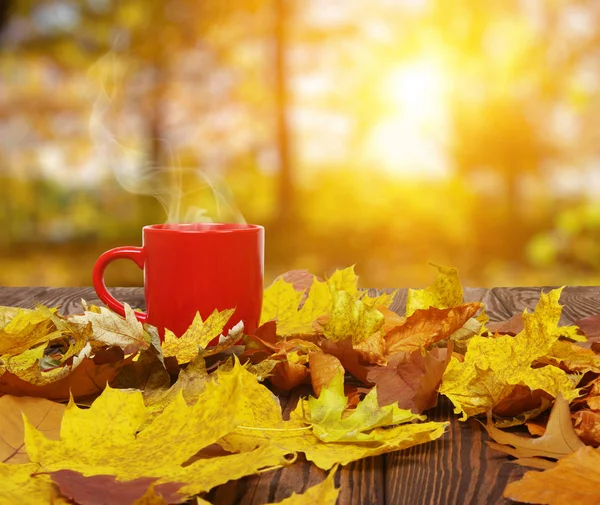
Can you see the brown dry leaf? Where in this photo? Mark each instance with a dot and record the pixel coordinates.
(323, 368)
(521, 399)
(352, 360)
(537, 428)
(108, 490)
(428, 326)
(43, 414)
(87, 379)
(574, 480)
(288, 375)
(591, 397)
(590, 326)
(411, 379)
(558, 441)
(571, 357)
(373, 349)
(301, 280)
(390, 320)
(587, 426)
(512, 326)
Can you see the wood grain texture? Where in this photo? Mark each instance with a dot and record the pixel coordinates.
(457, 469)
(578, 301)
(68, 299)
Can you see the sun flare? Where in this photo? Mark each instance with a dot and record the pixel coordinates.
(408, 139)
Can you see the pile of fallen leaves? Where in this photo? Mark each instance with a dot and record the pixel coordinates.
(182, 416)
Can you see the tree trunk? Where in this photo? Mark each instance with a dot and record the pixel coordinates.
(286, 200)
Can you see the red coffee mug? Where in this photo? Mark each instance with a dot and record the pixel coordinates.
(191, 268)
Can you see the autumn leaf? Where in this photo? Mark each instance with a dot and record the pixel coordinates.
(492, 367)
(590, 326)
(43, 414)
(351, 318)
(25, 329)
(326, 414)
(79, 380)
(289, 373)
(587, 426)
(110, 328)
(85, 490)
(151, 497)
(323, 369)
(301, 280)
(104, 439)
(411, 379)
(574, 480)
(263, 425)
(384, 300)
(426, 327)
(558, 441)
(24, 485)
(159, 393)
(592, 395)
(324, 493)
(512, 326)
(444, 293)
(7, 314)
(281, 302)
(571, 357)
(197, 336)
(520, 406)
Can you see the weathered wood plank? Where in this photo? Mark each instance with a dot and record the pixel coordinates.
(21, 297)
(459, 468)
(68, 299)
(578, 301)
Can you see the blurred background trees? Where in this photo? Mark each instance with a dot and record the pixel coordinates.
(386, 134)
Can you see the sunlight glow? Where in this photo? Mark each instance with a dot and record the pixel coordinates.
(410, 137)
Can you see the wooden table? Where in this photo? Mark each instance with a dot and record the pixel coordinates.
(458, 468)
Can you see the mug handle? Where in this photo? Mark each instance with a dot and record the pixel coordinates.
(135, 254)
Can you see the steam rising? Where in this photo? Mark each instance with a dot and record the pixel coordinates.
(188, 195)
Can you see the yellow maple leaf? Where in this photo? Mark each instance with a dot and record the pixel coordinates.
(281, 302)
(197, 336)
(151, 497)
(324, 493)
(19, 485)
(263, 425)
(444, 293)
(327, 416)
(344, 280)
(382, 300)
(494, 366)
(7, 314)
(25, 329)
(104, 439)
(351, 318)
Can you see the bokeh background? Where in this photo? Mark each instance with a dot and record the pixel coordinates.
(386, 133)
